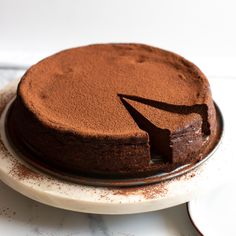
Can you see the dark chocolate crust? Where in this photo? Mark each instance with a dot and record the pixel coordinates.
(117, 110)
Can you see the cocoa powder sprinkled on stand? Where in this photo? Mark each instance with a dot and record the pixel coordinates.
(23, 172)
(148, 192)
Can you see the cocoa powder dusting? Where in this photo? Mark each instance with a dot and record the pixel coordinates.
(94, 75)
(148, 192)
(23, 172)
(154, 190)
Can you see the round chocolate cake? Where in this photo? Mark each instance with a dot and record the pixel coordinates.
(113, 110)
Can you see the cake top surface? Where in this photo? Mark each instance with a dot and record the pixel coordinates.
(80, 89)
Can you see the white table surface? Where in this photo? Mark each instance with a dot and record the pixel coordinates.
(22, 216)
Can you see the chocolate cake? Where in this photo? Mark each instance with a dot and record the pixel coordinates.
(113, 110)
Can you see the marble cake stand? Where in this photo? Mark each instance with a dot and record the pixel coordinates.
(102, 200)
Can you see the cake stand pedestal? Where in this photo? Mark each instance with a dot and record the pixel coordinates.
(103, 200)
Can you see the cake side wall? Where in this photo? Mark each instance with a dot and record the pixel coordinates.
(68, 152)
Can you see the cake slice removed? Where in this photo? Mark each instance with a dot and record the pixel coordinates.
(173, 137)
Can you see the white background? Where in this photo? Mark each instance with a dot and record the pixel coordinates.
(202, 31)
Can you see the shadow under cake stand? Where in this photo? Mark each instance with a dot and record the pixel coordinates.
(54, 191)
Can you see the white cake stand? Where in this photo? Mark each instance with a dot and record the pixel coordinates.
(102, 200)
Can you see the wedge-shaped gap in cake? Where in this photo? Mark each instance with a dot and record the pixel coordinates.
(173, 137)
(158, 138)
(200, 109)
